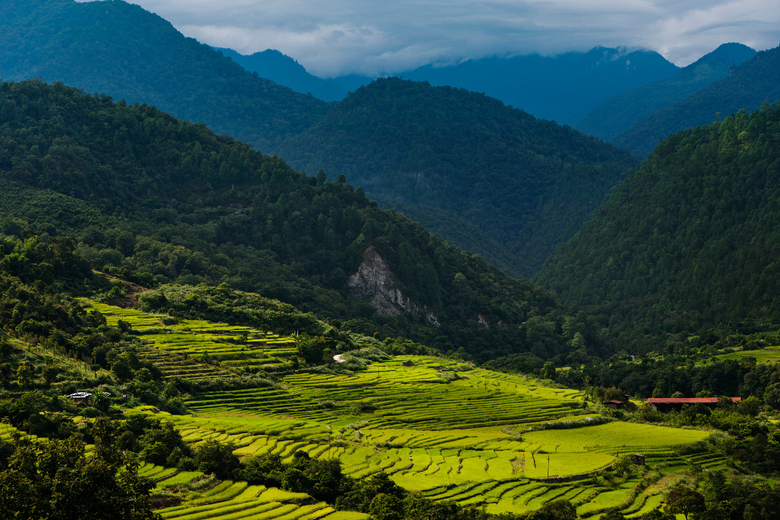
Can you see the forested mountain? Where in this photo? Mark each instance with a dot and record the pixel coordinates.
(562, 88)
(284, 70)
(618, 114)
(121, 50)
(754, 82)
(446, 156)
(688, 242)
(154, 200)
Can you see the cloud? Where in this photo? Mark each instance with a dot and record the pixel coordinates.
(371, 37)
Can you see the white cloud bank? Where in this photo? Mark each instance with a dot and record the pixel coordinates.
(374, 37)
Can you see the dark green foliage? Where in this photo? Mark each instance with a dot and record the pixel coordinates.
(684, 500)
(736, 498)
(214, 457)
(123, 51)
(688, 242)
(312, 350)
(748, 86)
(55, 480)
(615, 116)
(180, 204)
(158, 442)
(449, 156)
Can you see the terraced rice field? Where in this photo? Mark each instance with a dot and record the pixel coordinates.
(230, 500)
(198, 349)
(478, 439)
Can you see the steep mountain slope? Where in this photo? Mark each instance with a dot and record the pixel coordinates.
(282, 69)
(618, 114)
(445, 156)
(154, 199)
(121, 50)
(689, 241)
(755, 82)
(561, 88)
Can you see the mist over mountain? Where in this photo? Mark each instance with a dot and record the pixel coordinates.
(618, 114)
(444, 155)
(121, 50)
(747, 87)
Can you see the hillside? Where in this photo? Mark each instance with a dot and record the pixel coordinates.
(155, 200)
(618, 114)
(284, 70)
(753, 83)
(454, 159)
(123, 51)
(689, 241)
(208, 401)
(561, 88)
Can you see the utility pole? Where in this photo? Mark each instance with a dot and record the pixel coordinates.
(548, 466)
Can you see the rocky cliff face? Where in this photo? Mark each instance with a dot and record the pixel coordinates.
(376, 284)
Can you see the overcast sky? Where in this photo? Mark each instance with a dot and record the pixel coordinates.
(372, 37)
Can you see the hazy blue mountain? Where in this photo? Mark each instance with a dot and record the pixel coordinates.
(616, 115)
(748, 86)
(352, 82)
(561, 88)
(121, 50)
(282, 69)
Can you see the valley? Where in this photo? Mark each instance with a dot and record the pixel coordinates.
(432, 302)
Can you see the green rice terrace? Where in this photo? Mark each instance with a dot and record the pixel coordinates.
(439, 427)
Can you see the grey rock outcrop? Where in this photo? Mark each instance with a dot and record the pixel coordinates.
(376, 284)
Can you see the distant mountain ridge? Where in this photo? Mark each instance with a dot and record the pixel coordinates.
(754, 82)
(561, 88)
(615, 116)
(446, 156)
(121, 50)
(284, 70)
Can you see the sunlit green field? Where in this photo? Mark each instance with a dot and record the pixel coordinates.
(765, 355)
(476, 437)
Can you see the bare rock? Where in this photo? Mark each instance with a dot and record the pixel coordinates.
(376, 284)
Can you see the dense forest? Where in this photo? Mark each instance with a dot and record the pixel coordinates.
(754, 82)
(688, 242)
(615, 116)
(446, 155)
(121, 50)
(156, 200)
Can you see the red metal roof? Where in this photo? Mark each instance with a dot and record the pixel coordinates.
(688, 400)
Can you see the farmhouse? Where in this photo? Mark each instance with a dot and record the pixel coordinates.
(615, 404)
(79, 397)
(667, 404)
